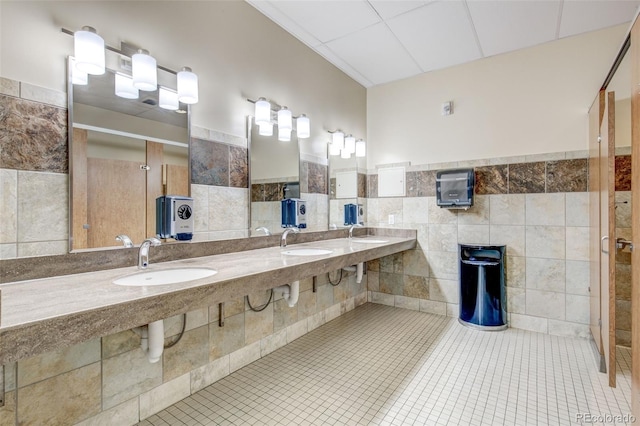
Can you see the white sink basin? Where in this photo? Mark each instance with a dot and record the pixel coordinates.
(165, 276)
(306, 252)
(368, 240)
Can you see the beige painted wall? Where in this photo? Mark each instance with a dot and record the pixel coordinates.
(531, 101)
(236, 51)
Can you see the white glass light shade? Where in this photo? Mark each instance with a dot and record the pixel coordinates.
(303, 127)
(187, 86)
(285, 121)
(144, 70)
(265, 129)
(334, 149)
(89, 51)
(338, 138)
(361, 148)
(284, 135)
(262, 111)
(168, 99)
(78, 77)
(125, 88)
(344, 153)
(350, 144)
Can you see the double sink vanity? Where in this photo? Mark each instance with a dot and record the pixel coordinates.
(92, 294)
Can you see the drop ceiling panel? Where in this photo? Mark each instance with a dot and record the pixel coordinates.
(328, 20)
(270, 11)
(390, 8)
(505, 26)
(376, 54)
(438, 35)
(583, 16)
(342, 65)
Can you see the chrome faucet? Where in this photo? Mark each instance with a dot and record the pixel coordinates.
(351, 229)
(143, 254)
(125, 240)
(264, 229)
(283, 240)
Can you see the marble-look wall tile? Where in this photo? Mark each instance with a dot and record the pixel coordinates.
(391, 283)
(577, 243)
(433, 307)
(9, 87)
(507, 209)
(362, 185)
(43, 200)
(33, 136)
(510, 235)
(473, 234)
(190, 353)
(416, 286)
(8, 206)
(273, 191)
(227, 138)
(64, 399)
(258, 324)
(244, 356)
(163, 396)
(516, 271)
(43, 95)
(545, 242)
(304, 176)
(126, 413)
(275, 341)
(127, 375)
(209, 163)
(577, 281)
(224, 340)
(569, 329)
(545, 209)
(492, 180)
(623, 173)
(115, 344)
(545, 274)
(577, 309)
(44, 248)
(209, 373)
(228, 208)
(577, 209)
(317, 178)
(528, 322)
(238, 167)
(372, 186)
(567, 175)
(527, 178)
(415, 262)
(415, 210)
(516, 300)
(443, 237)
(383, 298)
(410, 303)
(443, 290)
(546, 304)
(478, 214)
(49, 364)
(421, 183)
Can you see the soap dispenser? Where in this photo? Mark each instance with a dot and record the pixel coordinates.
(174, 217)
(294, 213)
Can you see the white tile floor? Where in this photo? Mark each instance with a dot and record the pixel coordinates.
(379, 365)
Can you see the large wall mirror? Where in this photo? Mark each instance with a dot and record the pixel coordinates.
(275, 175)
(124, 153)
(347, 188)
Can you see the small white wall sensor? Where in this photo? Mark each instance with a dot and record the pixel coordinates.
(447, 108)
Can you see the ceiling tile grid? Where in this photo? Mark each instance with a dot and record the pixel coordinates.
(379, 41)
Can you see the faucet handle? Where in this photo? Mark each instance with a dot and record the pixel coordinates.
(154, 241)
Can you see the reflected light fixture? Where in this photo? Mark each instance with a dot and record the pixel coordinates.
(303, 127)
(334, 149)
(344, 153)
(265, 129)
(187, 86)
(361, 148)
(284, 135)
(168, 99)
(338, 138)
(125, 88)
(350, 144)
(262, 111)
(89, 51)
(285, 121)
(78, 77)
(144, 70)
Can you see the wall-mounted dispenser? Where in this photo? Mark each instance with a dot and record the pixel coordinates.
(291, 190)
(174, 217)
(353, 214)
(454, 188)
(294, 213)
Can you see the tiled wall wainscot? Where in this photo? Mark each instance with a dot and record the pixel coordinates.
(33, 171)
(623, 269)
(110, 380)
(537, 206)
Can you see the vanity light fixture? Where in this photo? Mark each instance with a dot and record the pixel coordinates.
(262, 112)
(145, 71)
(125, 88)
(350, 144)
(334, 149)
(337, 138)
(285, 121)
(266, 113)
(361, 148)
(187, 86)
(168, 99)
(89, 52)
(303, 126)
(344, 153)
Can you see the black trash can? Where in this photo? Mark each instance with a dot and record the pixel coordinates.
(482, 287)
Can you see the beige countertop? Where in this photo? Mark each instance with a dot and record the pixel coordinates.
(45, 314)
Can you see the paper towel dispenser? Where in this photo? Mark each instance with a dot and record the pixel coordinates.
(454, 188)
